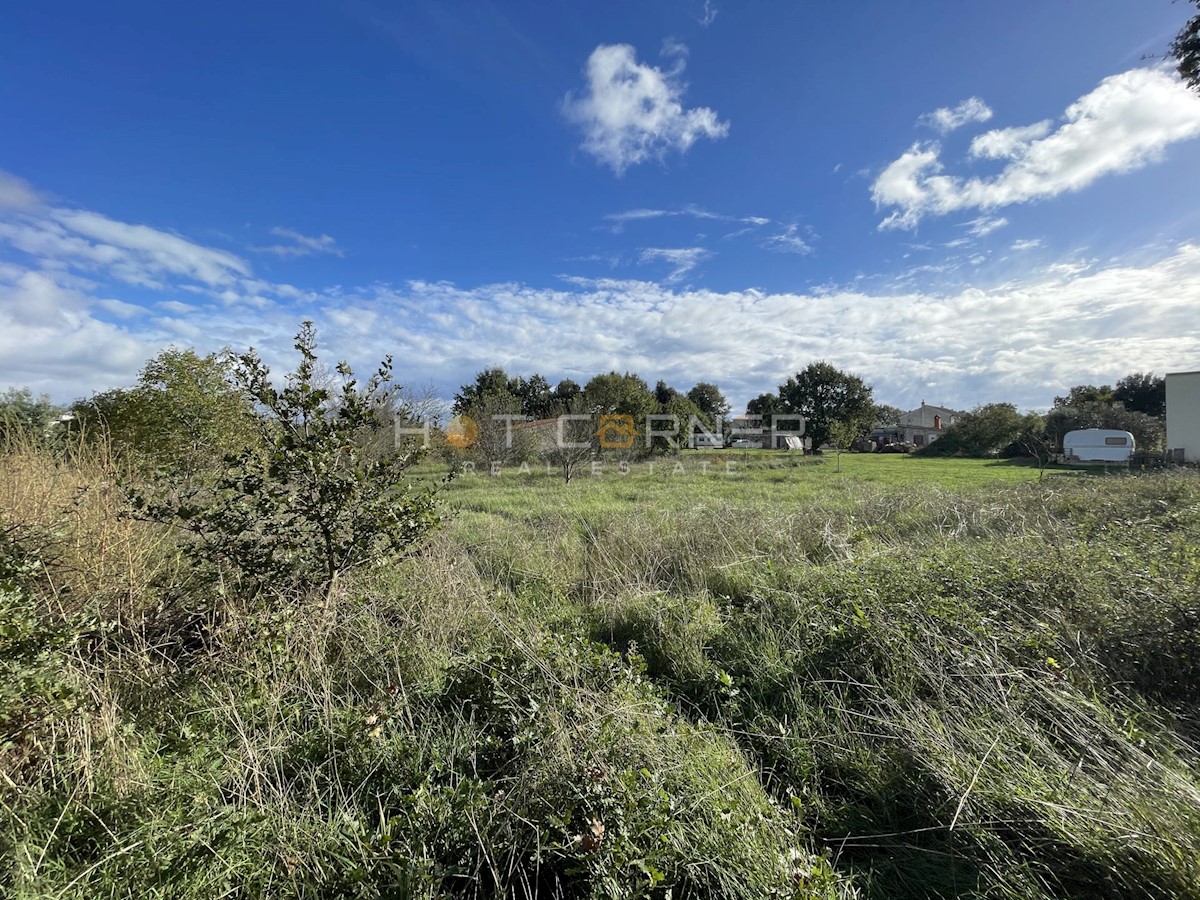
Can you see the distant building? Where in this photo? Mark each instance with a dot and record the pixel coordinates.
(920, 426)
(1183, 416)
(756, 432)
(747, 432)
(702, 441)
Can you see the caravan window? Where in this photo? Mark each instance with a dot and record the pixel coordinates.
(1115, 441)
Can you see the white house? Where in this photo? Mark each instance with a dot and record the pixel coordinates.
(1183, 416)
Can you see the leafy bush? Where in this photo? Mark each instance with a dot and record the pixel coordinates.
(23, 417)
(183, 415)
(984, 431)
(313, 503)
(35, 687)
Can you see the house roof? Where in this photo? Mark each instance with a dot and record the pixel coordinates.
(922, 416)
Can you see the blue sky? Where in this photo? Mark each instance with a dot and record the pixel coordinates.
(960, 202)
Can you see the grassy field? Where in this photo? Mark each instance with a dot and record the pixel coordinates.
(910, 678)
(747, 478)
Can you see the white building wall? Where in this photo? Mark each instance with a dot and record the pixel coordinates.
(1183, 414)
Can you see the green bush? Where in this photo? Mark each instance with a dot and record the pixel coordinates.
(314, 502)
(36, 684)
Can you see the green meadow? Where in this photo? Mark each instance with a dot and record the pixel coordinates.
(908, 678)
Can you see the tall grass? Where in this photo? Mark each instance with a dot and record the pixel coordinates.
(859, 689)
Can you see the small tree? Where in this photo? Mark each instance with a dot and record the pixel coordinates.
(573, 442)
(842, 435)
(1035, 442)
(314, 503)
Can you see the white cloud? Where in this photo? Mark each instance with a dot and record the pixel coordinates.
(16, 193)
(1008, 143)
(1124, 124)
(620, 219)
(301, 244)
(135, 254)
(1022, 341)
(672, 47)
(121, 309)
(947, 118)
(709, 15)
(1026, 244)
(985, 225)
(78, 248)
(682, 259)
(632, 112)
(1067, 322)
(175, 306)
(788, 241)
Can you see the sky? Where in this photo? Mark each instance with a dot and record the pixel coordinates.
(962, 203)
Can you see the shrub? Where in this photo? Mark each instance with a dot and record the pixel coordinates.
(183, 415)
(313, 503)
(34, 685)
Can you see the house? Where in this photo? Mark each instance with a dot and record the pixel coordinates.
(757, 432)
(1183, 416)
(920, 426)
(747, 432)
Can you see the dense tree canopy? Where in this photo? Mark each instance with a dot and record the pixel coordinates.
(885, 415)
(184, 413)
(567, 390)
(827, 396)
(709, 400)
(23, 414)
(494, 398)
(488, 383)
(1186, 50)
(1086, 393)
(765, 405)
(1143, 392)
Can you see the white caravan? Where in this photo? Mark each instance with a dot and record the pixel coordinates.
(1098, 445)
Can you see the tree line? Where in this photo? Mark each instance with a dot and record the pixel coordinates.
(187, 412)
(1137, 404)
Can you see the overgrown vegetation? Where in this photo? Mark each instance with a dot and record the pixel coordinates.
(313, 496)
(782, 682)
